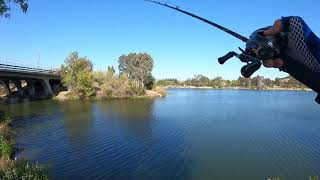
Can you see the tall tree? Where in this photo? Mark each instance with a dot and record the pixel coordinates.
(138, 67)
(111, 70)
(77, 75)
(200, 80)
(5, 6)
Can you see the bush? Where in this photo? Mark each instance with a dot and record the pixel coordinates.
(85, 86)
(5, 118)
(25, 171)
(5, 136)
(162, 91)
(5, 150)
(10, 169)
(113, 86)
(77, 75)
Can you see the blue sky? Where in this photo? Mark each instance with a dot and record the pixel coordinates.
(104, 30)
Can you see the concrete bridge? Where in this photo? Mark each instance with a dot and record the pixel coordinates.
(22, 81)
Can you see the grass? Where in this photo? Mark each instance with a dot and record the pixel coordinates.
(11, 169)
(310, 178)
(25, 171)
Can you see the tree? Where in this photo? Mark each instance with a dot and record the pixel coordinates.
(138, 68)
(277, 82)
(268, 82)
(257, 82)
(200, 80)
(114, 86)
(111, 69)
(150, 82)
(244, 82)
(77, 75)
(217, 82)
(5, 6)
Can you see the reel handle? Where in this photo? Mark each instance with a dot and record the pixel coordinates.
(225, 58)
(249, 69)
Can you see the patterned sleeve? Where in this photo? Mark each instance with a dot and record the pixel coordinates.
(303, 44)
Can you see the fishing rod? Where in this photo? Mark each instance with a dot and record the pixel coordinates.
(242, 38)
(260, 48)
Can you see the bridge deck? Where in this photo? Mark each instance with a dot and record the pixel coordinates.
(28, 70)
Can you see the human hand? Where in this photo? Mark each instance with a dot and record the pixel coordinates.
(274, 30)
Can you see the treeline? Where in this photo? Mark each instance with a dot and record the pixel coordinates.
(133, 79)
(258, 82)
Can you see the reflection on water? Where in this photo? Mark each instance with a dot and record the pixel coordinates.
(136, 116)
(29, 108)
(78, 121)
(191, 134)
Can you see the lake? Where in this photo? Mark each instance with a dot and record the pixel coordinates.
(190, 134)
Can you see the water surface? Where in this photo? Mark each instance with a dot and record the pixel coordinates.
(190, 134)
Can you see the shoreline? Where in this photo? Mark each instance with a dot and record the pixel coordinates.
(239, 88)
(10, 166)
(159, 92)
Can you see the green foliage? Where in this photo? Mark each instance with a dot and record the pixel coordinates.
(5, 136)
(167, 82)
(135, 76)
(10, 169)
(150, 82)
(5, 6)
(113, 86)
(84, 87)
(6, 150)
(77, 75)
(258, 82)
(138, 89)
(198, 81)
(216, 82)
(25, 171)
(111, 69)
(275, 178)
(138, 67)
(5, 118)
(310, 178)
(313, 178)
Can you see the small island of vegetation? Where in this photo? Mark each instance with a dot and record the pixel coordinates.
(134, 79)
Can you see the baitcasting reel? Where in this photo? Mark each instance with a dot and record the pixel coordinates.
(258, 48)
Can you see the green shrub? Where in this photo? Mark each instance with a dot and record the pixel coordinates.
(5, 150)
(77, 75)
(25, 171)
(5, 118)
(10, 169)
(114, 86)
(137, 89)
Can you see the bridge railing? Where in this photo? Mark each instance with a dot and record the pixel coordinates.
(4, 66)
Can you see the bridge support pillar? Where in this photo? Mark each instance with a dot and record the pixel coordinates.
(30, 88)
(5, 84)
(17, 83)
(47, 88)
